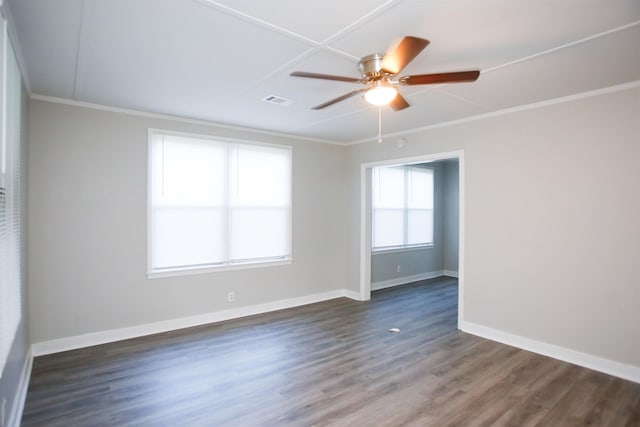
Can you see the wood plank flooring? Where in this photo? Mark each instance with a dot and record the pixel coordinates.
(333, 363)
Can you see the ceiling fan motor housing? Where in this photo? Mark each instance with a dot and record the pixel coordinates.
(371, 66)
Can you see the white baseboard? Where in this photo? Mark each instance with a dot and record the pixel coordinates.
(21, 393)
(352, 294)
(450, 273)
(607, 366)
(375, 286)
(102, 337)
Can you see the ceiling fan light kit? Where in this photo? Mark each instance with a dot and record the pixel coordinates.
(380, 75)
(381, 93)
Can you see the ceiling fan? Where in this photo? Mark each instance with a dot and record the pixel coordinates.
(380, 75)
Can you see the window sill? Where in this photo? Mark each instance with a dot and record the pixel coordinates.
(384, 251)
(215, 269)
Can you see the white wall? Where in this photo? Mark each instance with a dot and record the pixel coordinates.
(87, 241)
(552, 220)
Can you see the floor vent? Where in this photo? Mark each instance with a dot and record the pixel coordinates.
(278, 100)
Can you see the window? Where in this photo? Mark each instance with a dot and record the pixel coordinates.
(215, 203)
(11, 197)
(402, 207)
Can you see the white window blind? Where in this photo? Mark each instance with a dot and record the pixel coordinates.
(11, 237)
(4, 239)
(217, 203)
(402, 206)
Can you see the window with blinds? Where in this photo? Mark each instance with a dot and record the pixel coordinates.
(402, 207)
(216, 204)
(11, 199)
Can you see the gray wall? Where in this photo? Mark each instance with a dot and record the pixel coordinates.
(451, 217)
(552, 220)
(432, 260)
(552, 223)
(87, 242)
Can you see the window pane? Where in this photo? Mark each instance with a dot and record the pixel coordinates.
(402, 206)
(213, 202)
(260, 176)
(388, 227)
(420, 226)
(420, 188)
(259, 233)
(188, 236)
(189, 171)
(388, 187)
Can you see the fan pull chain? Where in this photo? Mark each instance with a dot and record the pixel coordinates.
(379, 124)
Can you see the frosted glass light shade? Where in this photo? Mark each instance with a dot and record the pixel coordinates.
(380, 94)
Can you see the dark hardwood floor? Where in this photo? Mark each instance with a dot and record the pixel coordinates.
(332, 363)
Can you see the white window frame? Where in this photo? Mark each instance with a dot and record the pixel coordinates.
(209, 268)
(405, 213)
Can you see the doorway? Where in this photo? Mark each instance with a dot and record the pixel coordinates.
(366, 222)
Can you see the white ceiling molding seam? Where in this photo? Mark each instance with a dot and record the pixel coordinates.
(253, 20)
(564, 46)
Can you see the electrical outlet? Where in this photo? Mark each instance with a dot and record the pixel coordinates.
(398, 268)
(231, 296)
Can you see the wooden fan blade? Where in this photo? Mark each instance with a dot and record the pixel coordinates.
(399, 103)
(405, 52)
(338, 99)
(427, 79)
(325, 77)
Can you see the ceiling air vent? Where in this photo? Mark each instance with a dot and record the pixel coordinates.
(278, 100)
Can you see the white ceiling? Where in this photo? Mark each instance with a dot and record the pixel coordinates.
(216, 60)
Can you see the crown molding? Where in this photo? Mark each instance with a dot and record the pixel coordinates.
(101, 107)
(505, 111)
